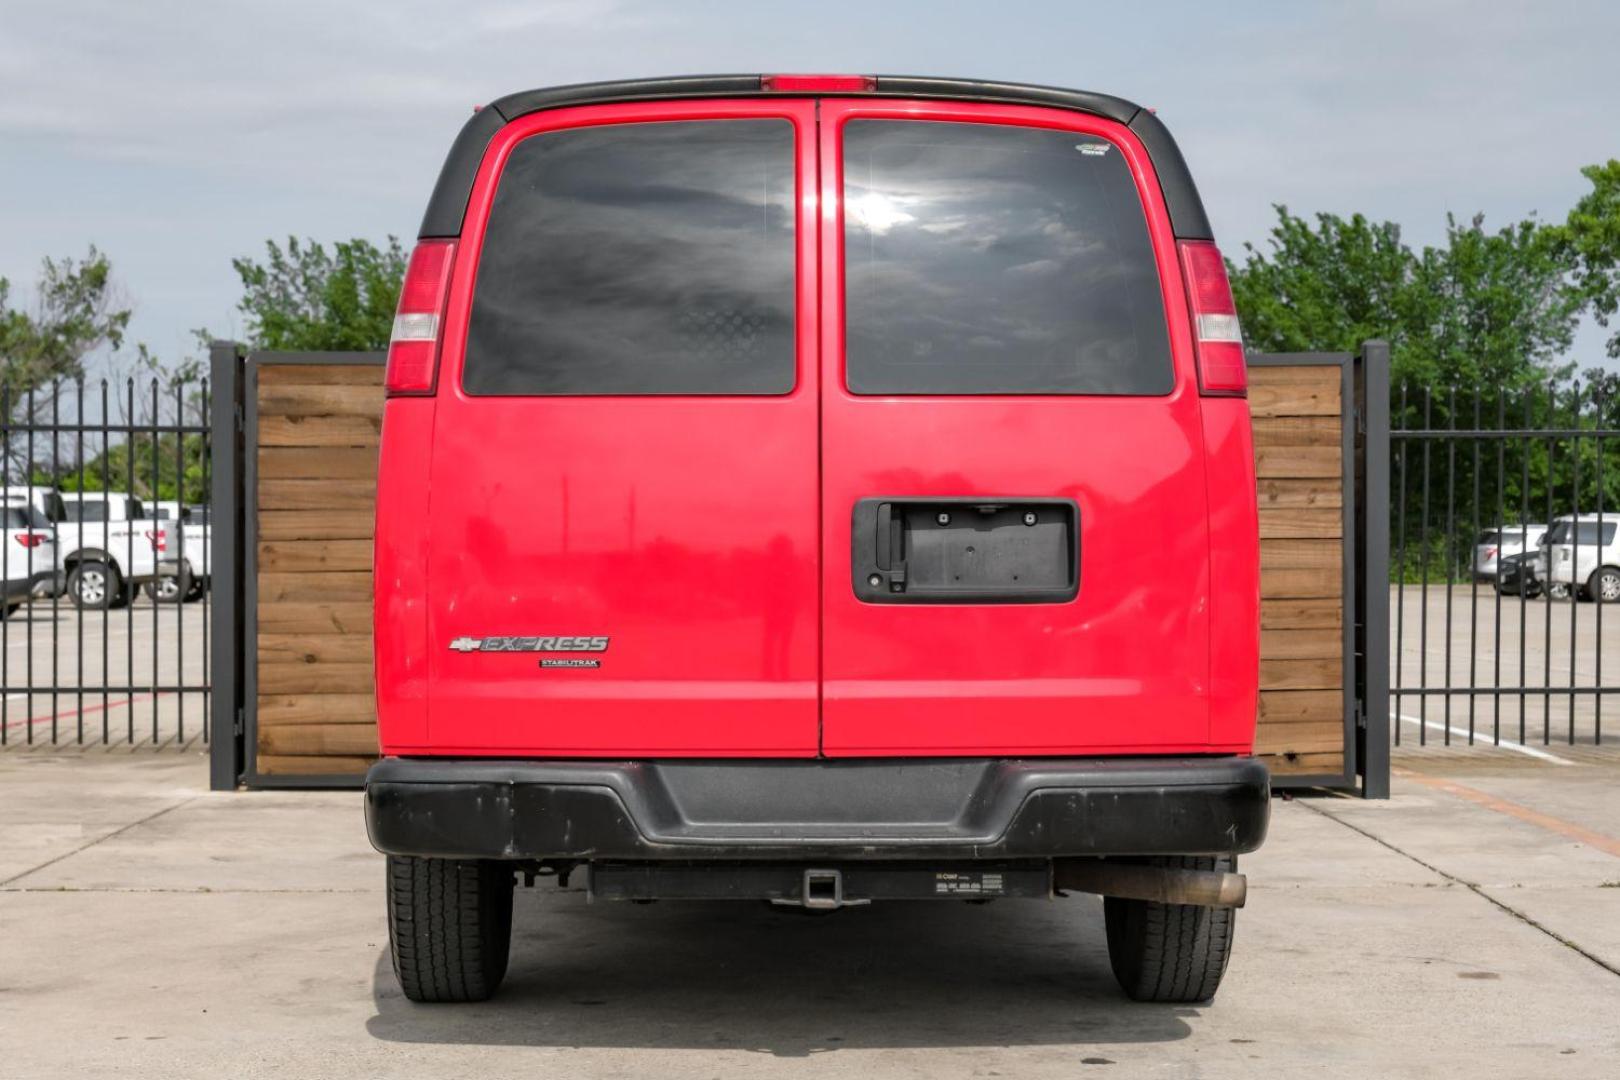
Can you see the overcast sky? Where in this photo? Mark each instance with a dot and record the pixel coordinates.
(177, 135)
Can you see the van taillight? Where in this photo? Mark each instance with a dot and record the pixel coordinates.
(1218, 340)
(413, 349)
(30, 539)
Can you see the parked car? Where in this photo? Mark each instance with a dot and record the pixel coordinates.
(110, 543)
(842, 489)
(1502, 542)
(29, 556)
(1581, 553)
(191, 578)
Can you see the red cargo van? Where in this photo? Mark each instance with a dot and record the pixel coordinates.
(818, 489)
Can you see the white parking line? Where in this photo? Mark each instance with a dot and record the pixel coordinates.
(1505, 744)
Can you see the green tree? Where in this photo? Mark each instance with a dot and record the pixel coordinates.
(1496, 309)
(1493, 308)
(1592, 235)
(305, 297)
(76, 311)
(1324, 287)
(146, 467)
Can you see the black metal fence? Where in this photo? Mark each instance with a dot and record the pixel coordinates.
(105, 562)
(1504, 514)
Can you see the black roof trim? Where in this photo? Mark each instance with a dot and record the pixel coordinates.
(1111, 108)
(448, 205)
(524, 102)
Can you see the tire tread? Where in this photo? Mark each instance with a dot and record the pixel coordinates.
(1171, 952)
(450, 927)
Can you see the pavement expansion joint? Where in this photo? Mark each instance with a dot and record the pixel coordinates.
(1472, 887)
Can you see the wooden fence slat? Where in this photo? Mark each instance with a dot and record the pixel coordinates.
(309, 588)
(1301, 554)
(273, 374)
(1294, 375)
(324, 739)
(1300, 738)
(1304, 399)
(315, 555)
(318, 463)
(1280, 523)
(1302, 644)
(295, 617)
(1299, 494)
(275, 678)
(317, 709)
(1298, 461)
(317, 494)
(1300, 675)
(1293, 583)
(1280, 708)
(1270, 431)
(320, 430)
(315, 648)
(316, 524)
(1302, 614)
(307, 401)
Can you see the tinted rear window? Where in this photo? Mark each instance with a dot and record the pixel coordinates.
(639, 259)
(987, 259)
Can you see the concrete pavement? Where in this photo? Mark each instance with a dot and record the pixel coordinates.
(149, 928)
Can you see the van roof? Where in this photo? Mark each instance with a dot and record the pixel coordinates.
(448, 204)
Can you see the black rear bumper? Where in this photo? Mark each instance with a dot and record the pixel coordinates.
(957, 809)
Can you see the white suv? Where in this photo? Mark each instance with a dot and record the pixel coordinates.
(29, 556)
(1581, 552)
(1504, 543)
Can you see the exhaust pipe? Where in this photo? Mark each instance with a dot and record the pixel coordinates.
(1163, 885)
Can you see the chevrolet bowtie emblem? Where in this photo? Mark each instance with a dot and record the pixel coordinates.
(466, 644)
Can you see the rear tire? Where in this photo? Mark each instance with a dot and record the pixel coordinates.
(1172, 953)
(449, 926)
(94, 586)
(169, 589)
(1604, 585)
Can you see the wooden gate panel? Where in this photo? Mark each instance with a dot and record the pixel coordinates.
(314, 469)
(1298, 413)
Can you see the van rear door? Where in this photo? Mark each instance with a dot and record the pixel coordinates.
(1014, 516)
(623, 521)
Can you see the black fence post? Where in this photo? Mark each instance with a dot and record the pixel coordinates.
(1372, 571)
(226, 750)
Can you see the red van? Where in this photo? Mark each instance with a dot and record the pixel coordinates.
(816, 489)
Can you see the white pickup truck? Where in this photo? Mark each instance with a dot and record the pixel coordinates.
(191, 558)
(110, 544)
